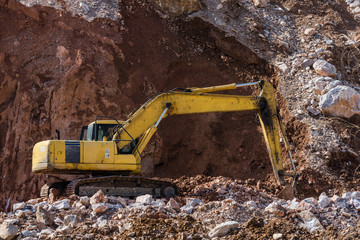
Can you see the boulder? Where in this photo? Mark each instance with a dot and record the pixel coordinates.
(71, 220)
(187, 209)
(144, 199)
(19, 205)
(85, 201)
(251, 205)
(324, 68)
(98, 197)
(355, 195)
(99, 207)
(324, 201)
(62, 204)
(43, 216)
(293, 204)
(173, 204)
(8, 230)
(341, 101)
(223, 228)
(356, 204)
(302, 206)
(312, 224)
(276, 209)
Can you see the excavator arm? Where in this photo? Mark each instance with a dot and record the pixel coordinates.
(145, 120)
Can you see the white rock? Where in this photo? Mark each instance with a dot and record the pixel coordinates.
(355, 195)
(293, 204)
(356, 10)
(99, 207)
(187, 209)
(355, 4)
(222, 229)
(145, 199)
(62, 204)
(64, 230)
(173, 204)
(311, 201)
(356, 204)
(251, 205)
(158, 203)
(193, 202)
(85, 201)
(283, 68)
(98, 197)
(44, 216)
(346, 196)
(220, 6)
(8, 230)
(102, 223)
(277, 236)
(333, 84)
(304, 206)
(27, 233)
(84, 7)
(276, 209)
(312, 224)
(71, 220)
(324, 68)
(324, 200)
(19, 205)
(341, 101)
(12, 221)
(310, 31)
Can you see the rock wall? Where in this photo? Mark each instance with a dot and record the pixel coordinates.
(58, 71)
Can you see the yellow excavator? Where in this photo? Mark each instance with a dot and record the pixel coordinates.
(111, 150)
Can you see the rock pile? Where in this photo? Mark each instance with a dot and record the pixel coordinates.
(183, 217)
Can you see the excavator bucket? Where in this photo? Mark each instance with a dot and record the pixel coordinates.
(287, 193)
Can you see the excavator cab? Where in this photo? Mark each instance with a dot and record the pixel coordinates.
(101, 130)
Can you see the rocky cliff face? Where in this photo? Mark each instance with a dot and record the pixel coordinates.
(59, 71)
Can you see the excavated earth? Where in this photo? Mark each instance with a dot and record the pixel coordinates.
(62, 64)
